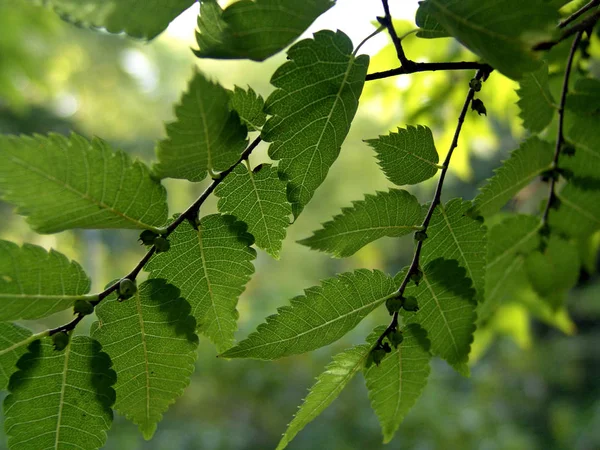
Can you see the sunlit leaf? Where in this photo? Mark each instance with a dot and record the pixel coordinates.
(151, 341)
(407, 156)
(206, 136)
(254, 29)
(489, 29)
(327, 388)
(394, 213)
(583, 132)
(321, 316)
(524, 164)
(211, 266)
(535, 100)
(64, 182)
(138, 19)
(579, 211)
(258, 199)
(13, 343)
(584, 99)
(35, 283)
(249, 105)
(446, 311)
(429, 27)
(60, 399)
(396, 384)
(452, 234)
(312, 109)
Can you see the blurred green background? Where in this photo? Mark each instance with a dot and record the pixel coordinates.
(534, 384)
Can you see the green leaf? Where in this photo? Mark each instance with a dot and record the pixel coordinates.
(13, 343)
(396, 384)
(249, 105)
(394, 213)
(323, 315)
(138, 19)
(60, 400)
(527, 162)
(584, 99)
(579, 211)
(452, 234)
(151, 341)
(555, 270)
(258, 199)
(584, 133)
(329, 385)
(535, 100)
(429, 27)
(207, 136)
(211, 266)
(509, 242)
(253, 29)
(312, 109)
(408, 156)
(35, 283)
(501, 32)
(84, 184)
(446, 311)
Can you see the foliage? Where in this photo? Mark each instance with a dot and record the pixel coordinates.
(471, 259)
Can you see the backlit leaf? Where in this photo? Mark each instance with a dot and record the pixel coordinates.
(84, 184)
(535, 100)
(319, 317)
(394, 213)
(35, 283)
(579, 211)
(13, 343)
(211, 266)
(249, 105)
(312, 109)
(151, 341)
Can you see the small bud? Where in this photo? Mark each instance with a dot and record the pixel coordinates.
(396, 338)
(416, 276)
(420, 236)
(475, 84)
(60, 340)
(83, 307)
(378, 355)
(568, 150)
(127, 288)
(386, 347)
(555, 202)
(410, 304)
(550, 174)
(567, 174)
(162, 244)
(393, 305)
(477, 105)
(147, 237)
(545, 230)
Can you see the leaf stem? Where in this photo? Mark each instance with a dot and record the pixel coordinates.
(429, 67)
(191, 214)
(414, 265)
(560, 138)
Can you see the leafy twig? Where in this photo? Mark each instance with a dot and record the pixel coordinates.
(414, 265)
(190, 214)
(387, 22)
(560, 138)
(585, 25)
(578, 13)
(429, 67)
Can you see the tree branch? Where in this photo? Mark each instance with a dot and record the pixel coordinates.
(429, 67)
(191, 213)
(414, 265)
(585, 25)
(387, 22)
(560, 138)
(578, 13)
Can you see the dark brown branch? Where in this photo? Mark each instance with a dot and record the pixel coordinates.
(414, 265)
(560, 138)
(387, 22)
(429, 67)
(189, 214)
(579, 13)
(585, 25)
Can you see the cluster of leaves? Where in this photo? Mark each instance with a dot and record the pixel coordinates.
(468, 259)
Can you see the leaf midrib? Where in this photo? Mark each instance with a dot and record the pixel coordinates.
(62, 394)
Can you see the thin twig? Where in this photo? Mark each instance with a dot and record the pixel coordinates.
(429, 67)
(190, 213)
(386, 21)
(414, 265)
(560, 138)
(578, 13)
(586, 24)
